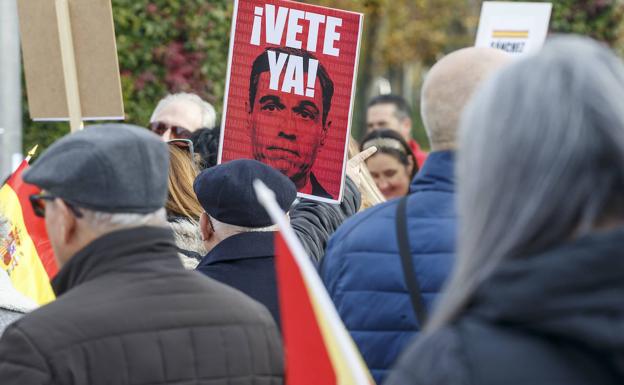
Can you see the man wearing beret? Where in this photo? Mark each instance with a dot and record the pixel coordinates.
(238, 231)
(126, 311)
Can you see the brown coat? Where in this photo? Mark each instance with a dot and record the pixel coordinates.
(128, 313)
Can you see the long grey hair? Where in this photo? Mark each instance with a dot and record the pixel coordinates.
(540, 160)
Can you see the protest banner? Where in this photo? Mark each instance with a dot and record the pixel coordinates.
(70, 60)
(516, 28)
(289, 92)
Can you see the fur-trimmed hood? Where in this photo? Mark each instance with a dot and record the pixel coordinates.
(188, 237)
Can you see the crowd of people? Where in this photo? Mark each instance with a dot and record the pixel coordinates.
(493, 259)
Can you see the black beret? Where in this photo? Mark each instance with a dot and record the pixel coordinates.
(113, 168)
(226, 192)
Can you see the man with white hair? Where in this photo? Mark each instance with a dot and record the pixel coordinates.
(395, 257)
(237, 231)
(177, 116)
(239, 234)
(126, 310)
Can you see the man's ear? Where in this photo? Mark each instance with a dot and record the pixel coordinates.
(205, 227)
(68, 222)
(326, 129)
(406, 128)
(410, 165)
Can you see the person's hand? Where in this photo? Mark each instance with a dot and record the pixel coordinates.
(356, 166)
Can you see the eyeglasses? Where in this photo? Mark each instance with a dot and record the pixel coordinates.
(159, 128)
(184, 144)
(38, 205)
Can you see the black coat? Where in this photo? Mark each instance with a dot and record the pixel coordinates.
(551, 318)
(315, 222)
(128, 313)
(246, 261)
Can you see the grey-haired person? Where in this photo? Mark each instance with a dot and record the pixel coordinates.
(178, 116)
(536, 295)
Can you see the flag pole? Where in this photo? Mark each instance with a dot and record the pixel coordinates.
(68, 58)
(31, 153)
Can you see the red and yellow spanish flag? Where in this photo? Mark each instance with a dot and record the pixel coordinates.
(27, 254)
(318, 348)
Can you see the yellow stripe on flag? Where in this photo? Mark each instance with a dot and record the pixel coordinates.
(21, 260)
(344, 373)
(510, 34)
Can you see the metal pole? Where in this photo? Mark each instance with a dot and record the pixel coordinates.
(10, 88)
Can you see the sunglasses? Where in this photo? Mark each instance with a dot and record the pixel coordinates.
(38, 204)
(184, 144)
(159, 128)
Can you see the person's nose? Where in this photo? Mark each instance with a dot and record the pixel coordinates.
(167, 135)
(288, 130)
(383, 184)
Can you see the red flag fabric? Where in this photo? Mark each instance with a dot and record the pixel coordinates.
(307, 358)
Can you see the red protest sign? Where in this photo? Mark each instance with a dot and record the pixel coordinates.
(289, 93)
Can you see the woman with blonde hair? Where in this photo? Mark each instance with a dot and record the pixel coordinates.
(183, 209)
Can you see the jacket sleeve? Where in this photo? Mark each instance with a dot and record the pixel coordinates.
(314, 222)
(20, 360)
(434, 359)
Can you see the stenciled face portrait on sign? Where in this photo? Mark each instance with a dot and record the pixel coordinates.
(288, 128)
(289, 92)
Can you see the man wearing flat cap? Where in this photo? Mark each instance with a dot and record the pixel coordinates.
(126, 311)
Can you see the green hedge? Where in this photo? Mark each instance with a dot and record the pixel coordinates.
(174, 45)
(163, 46)
(600, 19)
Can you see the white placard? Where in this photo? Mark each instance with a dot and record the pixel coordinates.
(516, 28)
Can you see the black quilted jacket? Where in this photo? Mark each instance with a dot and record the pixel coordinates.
(128, 313)
(549, 318)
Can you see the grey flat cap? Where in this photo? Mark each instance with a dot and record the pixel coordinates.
(114, 168)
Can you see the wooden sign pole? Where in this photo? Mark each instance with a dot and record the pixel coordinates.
(69, 65)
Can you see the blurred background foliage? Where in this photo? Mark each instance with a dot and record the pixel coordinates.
(163, 46)
(174, 45)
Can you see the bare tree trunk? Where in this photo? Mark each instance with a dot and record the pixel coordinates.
(366, 69)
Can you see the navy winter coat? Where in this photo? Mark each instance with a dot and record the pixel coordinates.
(362, 268)
(246, 262)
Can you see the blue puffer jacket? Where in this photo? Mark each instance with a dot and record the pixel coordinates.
(362, 268)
